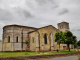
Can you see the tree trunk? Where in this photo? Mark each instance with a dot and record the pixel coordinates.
(59, 47)
(68, 47)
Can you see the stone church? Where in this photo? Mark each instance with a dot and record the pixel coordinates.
(39, 38)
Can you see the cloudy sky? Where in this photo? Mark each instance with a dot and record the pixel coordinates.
(39, 13)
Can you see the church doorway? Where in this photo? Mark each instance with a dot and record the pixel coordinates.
(45, 39)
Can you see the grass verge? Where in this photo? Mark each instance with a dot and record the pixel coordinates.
(16, 54)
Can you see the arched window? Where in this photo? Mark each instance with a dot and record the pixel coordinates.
(17, 39)
(8, 39)
(32, 39)
(45, 39)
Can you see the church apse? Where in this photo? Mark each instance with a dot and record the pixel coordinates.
(12, 37)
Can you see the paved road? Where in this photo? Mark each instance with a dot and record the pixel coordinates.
(64, 58)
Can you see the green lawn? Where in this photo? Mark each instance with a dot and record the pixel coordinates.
(15, 54)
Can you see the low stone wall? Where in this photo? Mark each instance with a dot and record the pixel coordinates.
(38, 57)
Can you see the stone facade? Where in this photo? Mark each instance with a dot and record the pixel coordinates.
(64, 26)
(39, 38)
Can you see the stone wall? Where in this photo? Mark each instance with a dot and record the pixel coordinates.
(7, 47)
(17, 46)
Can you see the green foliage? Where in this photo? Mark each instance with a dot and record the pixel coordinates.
(68, 34)
(59, 37)
(69, 38)
(78, 43)
(74, 39)
(75, 45)
(26, 41)
(65, 37)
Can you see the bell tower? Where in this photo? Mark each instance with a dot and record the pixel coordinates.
(63, 26)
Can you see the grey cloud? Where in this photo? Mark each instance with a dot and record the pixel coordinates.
(44, 1)
(63, 11)
(23, 12)
(51, 1)
(41, 1)
(75, 30)
(4, 14)
(39, 13)
(29, 4)
(27, 14)
(78, 30)
(42, 4)
(55, 6)
(0, 0)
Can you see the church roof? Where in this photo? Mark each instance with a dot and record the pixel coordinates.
(63, 22)
(46, 26)
(42, 27)
(19, 26)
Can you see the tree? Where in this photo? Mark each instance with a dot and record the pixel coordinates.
(65, 37)
(75, 45)
(78, 43)
(74, 39)
(26, 42)
(69, 38)
(59, 38)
